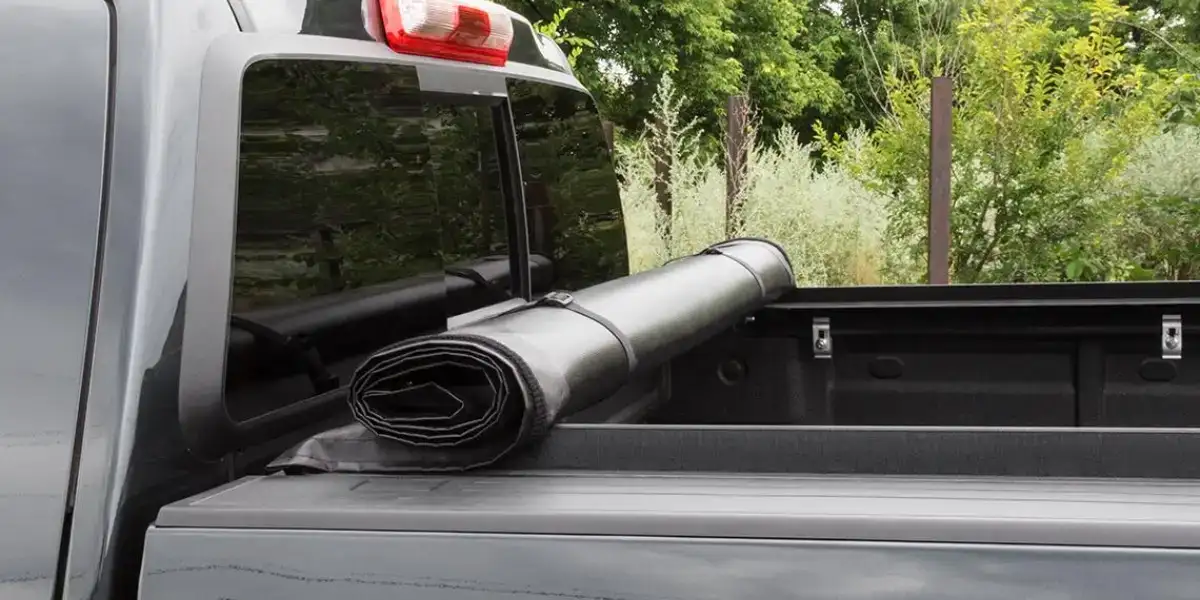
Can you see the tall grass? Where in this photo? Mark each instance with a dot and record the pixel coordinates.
(830, 225)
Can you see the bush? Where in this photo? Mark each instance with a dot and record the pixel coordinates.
(1162, 181)
(830, 224)
(1044, 120)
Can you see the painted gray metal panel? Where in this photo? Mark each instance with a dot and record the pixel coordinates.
(356, 19)
(283, 16)
(133, 456)
(316, 565)
(1144, 513)
(54, 62)
(130, 454)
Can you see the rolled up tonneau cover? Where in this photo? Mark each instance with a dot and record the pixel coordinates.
(466, 398)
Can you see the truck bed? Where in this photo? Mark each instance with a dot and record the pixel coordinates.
(969, 446)
(1053, 355)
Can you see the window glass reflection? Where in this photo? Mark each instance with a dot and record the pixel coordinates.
(364, 215)
(571, 194)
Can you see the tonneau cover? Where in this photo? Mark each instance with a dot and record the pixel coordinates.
(1121, 512)
(468, 397)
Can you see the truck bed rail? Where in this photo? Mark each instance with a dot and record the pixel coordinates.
(948, 451)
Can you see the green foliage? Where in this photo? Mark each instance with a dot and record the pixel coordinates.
(711, 48)
(1043, 122)
(1074, 137)
(830, 224)
(554, 30)
(1162, 181)
(1070, 140)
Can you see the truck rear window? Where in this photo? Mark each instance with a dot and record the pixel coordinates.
(355, 196)
(370, 210)
(347, 180)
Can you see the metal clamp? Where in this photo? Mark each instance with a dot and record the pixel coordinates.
(1172, 337)
(822, 339)
(556, 298)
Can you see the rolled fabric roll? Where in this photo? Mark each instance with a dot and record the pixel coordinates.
(467, 397)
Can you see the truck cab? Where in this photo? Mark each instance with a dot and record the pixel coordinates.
(215, 211)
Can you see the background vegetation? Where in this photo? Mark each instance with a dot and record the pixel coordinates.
(1075, 139)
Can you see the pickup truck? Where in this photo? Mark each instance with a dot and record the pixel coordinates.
(216, 213)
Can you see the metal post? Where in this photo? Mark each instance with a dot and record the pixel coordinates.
(941, 98)
(737, 115)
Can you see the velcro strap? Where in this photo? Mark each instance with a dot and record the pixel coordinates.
(567, 301)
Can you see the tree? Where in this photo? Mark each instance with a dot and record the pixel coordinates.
(711, 48)
(1044, 119)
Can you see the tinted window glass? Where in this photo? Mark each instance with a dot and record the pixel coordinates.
(355, 198)
(334, 191)
(571, 193)
(467, 176)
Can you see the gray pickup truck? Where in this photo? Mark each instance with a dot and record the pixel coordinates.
(224, 223)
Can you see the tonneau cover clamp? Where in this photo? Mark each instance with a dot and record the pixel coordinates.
(1172, 337)
(822, 339)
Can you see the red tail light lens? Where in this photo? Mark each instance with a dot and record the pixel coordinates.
(474, 31)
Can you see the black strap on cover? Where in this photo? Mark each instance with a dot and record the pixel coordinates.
(565, 300)
(714, 250)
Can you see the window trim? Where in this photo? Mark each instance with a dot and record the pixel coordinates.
(510, 179)
(609, 154)
(518, 217)
(208, 430)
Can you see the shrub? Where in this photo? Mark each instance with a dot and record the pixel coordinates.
(830, 224)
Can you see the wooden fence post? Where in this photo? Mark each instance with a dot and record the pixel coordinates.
(940, 101)
(737, 114)
(608, 134)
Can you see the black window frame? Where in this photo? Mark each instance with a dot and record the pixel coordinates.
(511, 186)
(565, 275)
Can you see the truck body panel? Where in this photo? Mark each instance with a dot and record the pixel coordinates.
(131, 456)
(200, 564)
(55, 102)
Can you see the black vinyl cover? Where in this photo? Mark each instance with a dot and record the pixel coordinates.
(467, 397)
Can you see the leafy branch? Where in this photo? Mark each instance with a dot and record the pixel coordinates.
(554, 30)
